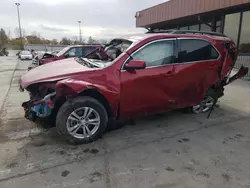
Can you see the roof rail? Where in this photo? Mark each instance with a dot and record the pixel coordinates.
(189, 32)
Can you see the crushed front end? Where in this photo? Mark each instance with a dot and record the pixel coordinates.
(41, 103)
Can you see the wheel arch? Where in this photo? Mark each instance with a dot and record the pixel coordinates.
(94, 93)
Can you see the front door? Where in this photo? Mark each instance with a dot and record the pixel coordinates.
(149, 90)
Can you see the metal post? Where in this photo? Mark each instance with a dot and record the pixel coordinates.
(20, 29)
(80, 32)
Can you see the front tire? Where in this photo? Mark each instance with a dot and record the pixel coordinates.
(81, 120)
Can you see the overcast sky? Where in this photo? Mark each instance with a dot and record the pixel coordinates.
(58, 18)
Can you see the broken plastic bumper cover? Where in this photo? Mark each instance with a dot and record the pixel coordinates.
(41, 108)
(241, 73)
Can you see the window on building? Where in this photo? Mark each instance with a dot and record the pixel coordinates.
(218, 26)
(244, 46)
(184, 28)
(231, 28)
(205, 27)
(196, 50)
(194, 27)
(157, 53)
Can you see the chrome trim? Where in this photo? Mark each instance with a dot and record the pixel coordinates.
(186, 38)
(47, 97)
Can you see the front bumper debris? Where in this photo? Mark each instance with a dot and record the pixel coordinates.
(28, 112)
(41, 108)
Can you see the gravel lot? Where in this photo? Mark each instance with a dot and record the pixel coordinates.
(172, 150)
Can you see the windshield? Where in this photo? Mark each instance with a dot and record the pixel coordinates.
(25, 53)
(63, 51)
(112, 51)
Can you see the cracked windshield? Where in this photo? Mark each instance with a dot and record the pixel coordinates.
(124, 94)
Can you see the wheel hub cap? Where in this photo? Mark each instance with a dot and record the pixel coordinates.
(204, 106)
(83, 122)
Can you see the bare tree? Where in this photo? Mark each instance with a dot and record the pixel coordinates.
(17, 32)
(9, 34)
(75, 40)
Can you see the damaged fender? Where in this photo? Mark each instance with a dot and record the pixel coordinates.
(70, 88)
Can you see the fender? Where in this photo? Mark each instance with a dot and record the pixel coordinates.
(70, 88)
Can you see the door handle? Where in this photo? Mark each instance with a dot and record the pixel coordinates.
(169, 74)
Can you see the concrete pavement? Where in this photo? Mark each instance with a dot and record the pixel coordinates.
(172, 150)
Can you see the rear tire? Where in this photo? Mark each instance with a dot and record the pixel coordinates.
(206, 104)
(73, 124)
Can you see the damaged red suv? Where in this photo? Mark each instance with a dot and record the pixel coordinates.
(67, 52)
(143, 74)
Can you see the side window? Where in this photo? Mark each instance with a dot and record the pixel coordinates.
(79, 52)
(72, 52)
(196, 50)
(157, 53)
(87, 50)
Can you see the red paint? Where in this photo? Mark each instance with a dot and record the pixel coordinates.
(139, 91)
(136, 64)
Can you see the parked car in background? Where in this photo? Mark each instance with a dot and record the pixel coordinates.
(68, 52)
(55, 52)
(143, 74)
(4, 52)
(25, 55)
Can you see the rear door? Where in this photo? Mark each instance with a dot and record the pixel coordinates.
(197, 70)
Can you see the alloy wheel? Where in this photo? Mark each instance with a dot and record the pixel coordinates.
(83, 122)
(204, 106)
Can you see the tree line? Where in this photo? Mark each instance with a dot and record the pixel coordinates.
(35, 38)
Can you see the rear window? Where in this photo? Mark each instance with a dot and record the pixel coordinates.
(196, 50)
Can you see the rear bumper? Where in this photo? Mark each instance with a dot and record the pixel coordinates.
(243, 71)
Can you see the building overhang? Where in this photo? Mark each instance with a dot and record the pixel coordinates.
(179, 12)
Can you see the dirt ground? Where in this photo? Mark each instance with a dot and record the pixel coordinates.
(172, 150)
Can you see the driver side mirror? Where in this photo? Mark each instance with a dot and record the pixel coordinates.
(135, 64)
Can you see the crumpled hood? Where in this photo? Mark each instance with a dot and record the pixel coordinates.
(52, 72)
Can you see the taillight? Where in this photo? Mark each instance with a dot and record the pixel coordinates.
(232, 50)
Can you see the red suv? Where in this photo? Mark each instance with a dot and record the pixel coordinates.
(67, 52)
(144, 74)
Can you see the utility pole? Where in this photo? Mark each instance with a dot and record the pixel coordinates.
(80, 32)
(20, 29)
